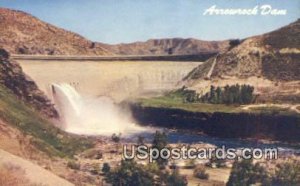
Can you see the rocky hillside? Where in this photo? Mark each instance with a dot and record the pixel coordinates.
(274, 56)
(13, 78)
(22, 33)
(26, 110)
(27, 133)
(177, 46)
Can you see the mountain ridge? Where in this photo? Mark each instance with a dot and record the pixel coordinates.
(23, 33)
(165, 46)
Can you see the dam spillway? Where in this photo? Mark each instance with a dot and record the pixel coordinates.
(116, 79)
(91, 116)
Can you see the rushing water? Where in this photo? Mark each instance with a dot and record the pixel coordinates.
(91, 116)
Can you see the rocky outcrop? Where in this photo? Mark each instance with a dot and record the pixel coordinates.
(13, 78)
(220, 124)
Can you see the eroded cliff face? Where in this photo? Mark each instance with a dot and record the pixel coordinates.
(13, 78)
(220, 124)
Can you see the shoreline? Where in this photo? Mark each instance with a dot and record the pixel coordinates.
(239, 125)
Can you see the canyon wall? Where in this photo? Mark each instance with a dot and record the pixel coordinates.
(227, 125)
(13, 78)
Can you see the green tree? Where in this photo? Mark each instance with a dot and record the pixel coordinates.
(200, 172)
(175, 179)
(246, 173)
(234, 94)
(287, 173)
(212, 96)
(225, 97)
(105, 168)
(218, 95)
(116, 138)
(237, 92)
(247, 94)
(130, 173)
(160, 141)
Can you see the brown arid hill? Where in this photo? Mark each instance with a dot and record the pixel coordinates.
(176, 46)
(274, 55)
(270, 61)
(22, 33)
(13, 78)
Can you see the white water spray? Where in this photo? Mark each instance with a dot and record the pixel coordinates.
(91, 116)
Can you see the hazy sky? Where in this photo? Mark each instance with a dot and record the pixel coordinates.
(117, 21)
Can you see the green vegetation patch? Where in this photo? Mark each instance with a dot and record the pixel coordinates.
(46, 136)
(189, 100)
(246, 172)
(234, 94)
(178, 103)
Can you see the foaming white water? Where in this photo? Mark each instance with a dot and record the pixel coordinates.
(91, 116)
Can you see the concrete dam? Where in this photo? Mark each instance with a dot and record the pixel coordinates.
(116, 79)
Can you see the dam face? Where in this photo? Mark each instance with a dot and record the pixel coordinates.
(116, 79)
